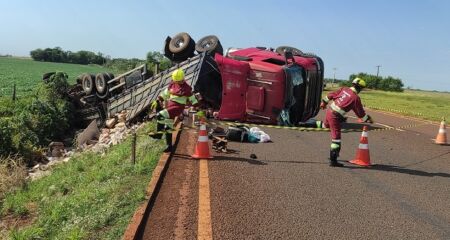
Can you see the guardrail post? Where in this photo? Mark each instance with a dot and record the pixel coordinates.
(14, 93)
(133, 147)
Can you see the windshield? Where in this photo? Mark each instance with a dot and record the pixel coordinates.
(294, 78)
(294, 72)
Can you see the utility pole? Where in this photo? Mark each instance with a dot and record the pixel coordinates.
(334, 76)
(378, 69)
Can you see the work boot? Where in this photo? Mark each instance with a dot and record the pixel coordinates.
(159, 128)
(333, 159)
(168, 142)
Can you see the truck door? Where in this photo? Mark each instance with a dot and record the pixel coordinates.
(234, 86)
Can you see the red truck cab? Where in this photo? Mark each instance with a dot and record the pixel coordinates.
(263, 86)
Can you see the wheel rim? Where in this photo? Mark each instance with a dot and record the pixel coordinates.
(100, 83)
(179, 43)
(87, 84)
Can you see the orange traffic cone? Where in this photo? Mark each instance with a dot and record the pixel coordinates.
(362, 155)
(202, 146)
(441, 137)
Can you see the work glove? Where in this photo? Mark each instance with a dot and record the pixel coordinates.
(201, 114)
(323, 105)
(154, 105)
(369, 119)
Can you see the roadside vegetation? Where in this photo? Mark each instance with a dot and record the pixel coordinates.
(28, 124)
(420, 104)
(415, 103)
(92, 196)
(389, 83)
(27, 74)
(58, 55)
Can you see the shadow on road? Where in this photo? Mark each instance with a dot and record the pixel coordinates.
(397, 169)
(358, 126)
(238, 159)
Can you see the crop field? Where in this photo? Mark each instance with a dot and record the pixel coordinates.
(421, 104)
(26, 73)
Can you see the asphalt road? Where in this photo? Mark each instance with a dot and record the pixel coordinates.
(290, 192)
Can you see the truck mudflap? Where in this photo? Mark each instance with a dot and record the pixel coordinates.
(138, 98)
(234, 86)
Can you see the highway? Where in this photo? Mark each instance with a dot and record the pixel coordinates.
(290, 192)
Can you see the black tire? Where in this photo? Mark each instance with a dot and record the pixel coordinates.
(280, 50)
(101, 83)
(110, 75)
(312, 55)
(180, 42)
(88, 84)
(209, 44)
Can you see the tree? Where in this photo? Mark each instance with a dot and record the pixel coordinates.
(374, 82)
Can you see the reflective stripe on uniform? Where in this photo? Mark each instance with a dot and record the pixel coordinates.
(319, 124)
(335, 146)
(337, 109)
(178, 99)
(164, 113)
(165, 94)
(325, 99)
(193, 100)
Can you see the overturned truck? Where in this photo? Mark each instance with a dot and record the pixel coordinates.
(262, 85)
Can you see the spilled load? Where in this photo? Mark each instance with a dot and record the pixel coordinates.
(257, 84)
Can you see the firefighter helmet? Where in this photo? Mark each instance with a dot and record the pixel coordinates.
(178, 75)
(359, 82)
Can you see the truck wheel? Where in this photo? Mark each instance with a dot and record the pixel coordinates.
(280, 50)
(101, 82)
(88, 84)
(209, 44)
(110, 76)
(180, 42)
(309, 55)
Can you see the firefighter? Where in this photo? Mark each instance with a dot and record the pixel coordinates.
(343, 100)
(171, 103)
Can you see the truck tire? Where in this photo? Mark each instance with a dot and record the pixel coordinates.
(180, 42)
(110, 76)
(88, 83)
(312, 55)
(101, 82)
(209, 44)
(280, 50)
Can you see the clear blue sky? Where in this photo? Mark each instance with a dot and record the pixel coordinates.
(409, 39)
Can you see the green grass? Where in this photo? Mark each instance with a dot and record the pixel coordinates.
(27, 73)
(421, 104)
(90, 197)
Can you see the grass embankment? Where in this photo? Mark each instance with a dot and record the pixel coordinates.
(90, 197)
(421, 104)
(27, 73)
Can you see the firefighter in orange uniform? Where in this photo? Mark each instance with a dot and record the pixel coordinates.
(343, 100)
(174, 99)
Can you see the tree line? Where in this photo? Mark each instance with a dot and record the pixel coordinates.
(58, 55)
(378, 83)
(85, 57)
